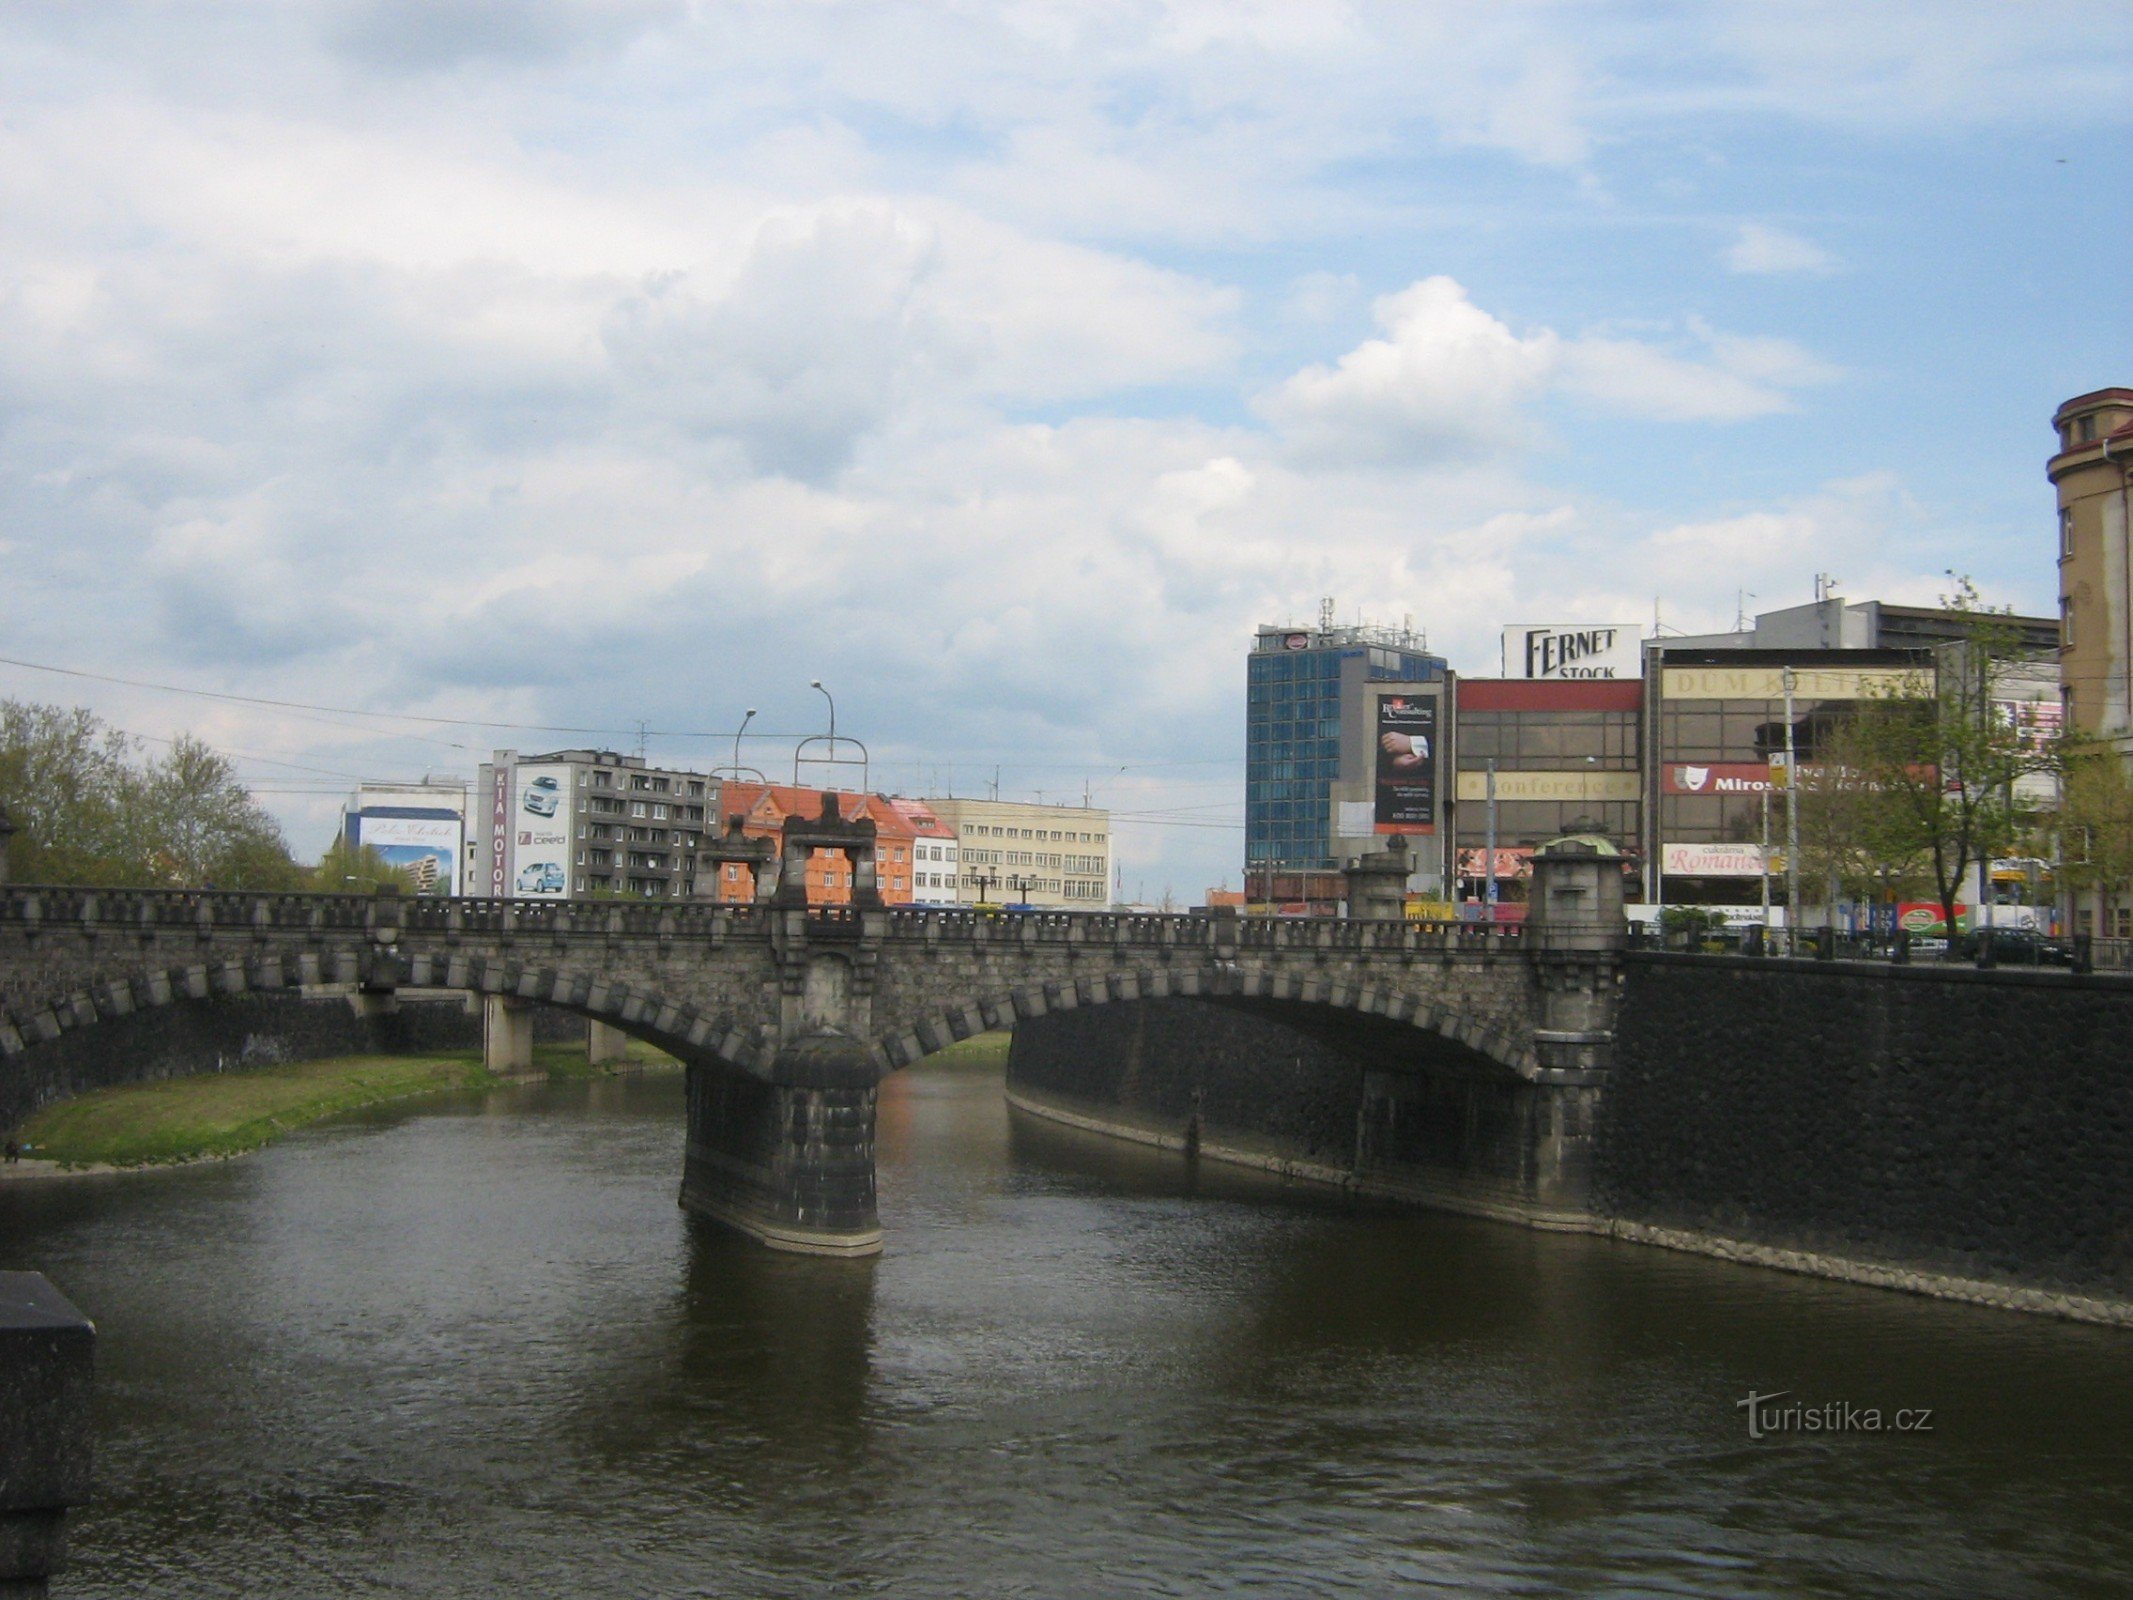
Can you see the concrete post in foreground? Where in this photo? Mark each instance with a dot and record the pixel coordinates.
(790, 1161)
(506, 1035)
(604, 1046)
(46, 1353)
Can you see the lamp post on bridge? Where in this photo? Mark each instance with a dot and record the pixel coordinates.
(985, 881)
(1022, 887)
(833, 759)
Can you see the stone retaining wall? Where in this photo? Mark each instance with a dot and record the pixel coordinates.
(1929, 1123)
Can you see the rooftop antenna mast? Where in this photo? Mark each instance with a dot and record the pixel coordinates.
(1325, 615)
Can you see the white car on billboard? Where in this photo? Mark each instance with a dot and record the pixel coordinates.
(543, 877)
(542, 796)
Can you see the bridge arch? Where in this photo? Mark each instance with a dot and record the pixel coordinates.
(1282, 996)
(642, 1013)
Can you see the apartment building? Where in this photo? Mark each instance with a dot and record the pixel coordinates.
(1055, 857)
(576, 823)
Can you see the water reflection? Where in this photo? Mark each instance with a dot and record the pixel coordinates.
(475, 1347)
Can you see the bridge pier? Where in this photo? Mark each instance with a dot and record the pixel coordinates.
(604, 1045)
(788, 1161)
(506, 1035)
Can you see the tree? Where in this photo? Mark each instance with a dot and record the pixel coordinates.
(65, 781)
(2095, 821)
(88, 809)
(1927, 770)
(198, 825)
(1849, 834)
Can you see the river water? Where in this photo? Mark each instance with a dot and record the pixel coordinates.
(473, 1348)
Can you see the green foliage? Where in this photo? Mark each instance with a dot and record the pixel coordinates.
(228, 1113)
(359, 869)
(1922, 783)
(90, 808)
(2095, 819)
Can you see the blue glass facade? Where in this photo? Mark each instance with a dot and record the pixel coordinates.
(1292, 737)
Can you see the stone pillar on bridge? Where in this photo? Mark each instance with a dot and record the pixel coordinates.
(786, 1155)
(506, 1035)
(1377, 882)
(46, 1351)
(1576, 932)
(604, 1046)
(790, 1161)
(1575, 935)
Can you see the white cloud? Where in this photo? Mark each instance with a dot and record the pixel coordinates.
(1636, 379)
(1444, 383)
(1764, 250)
(1449, 382)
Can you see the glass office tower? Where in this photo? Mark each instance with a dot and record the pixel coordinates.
(1306, 712)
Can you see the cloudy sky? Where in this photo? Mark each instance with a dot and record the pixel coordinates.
(531, 365)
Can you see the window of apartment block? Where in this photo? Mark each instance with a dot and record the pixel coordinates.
(2066, 622)
(2066, 531)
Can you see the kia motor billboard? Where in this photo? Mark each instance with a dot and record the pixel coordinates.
(540, 805)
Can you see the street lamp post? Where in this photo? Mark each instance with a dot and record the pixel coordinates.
(816, 684)
(743, 728)
(986, 882)
(1488, 893)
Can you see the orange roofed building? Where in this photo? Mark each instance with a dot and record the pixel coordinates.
(763, 808)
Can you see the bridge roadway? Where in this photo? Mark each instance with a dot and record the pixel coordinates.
(786, 1015)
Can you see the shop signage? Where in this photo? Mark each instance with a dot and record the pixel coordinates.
(1923, 917)
(1808, 683)
(1716, 777)
(1514, 862)
(1584, 785)
(1718, 861)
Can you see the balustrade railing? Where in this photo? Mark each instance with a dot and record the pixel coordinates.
(233, 910)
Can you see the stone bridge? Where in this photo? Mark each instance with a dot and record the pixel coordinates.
(788, 1015)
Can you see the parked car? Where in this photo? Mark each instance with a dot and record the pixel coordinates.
(542, 796)
(542, 877)
(2018, 947)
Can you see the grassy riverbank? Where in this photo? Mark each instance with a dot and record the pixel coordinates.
(987, 1050)
(227, 1113)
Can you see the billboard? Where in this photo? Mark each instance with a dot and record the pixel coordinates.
(541, 808)
(1572, 650)
(1406, 769)
(427, 843)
